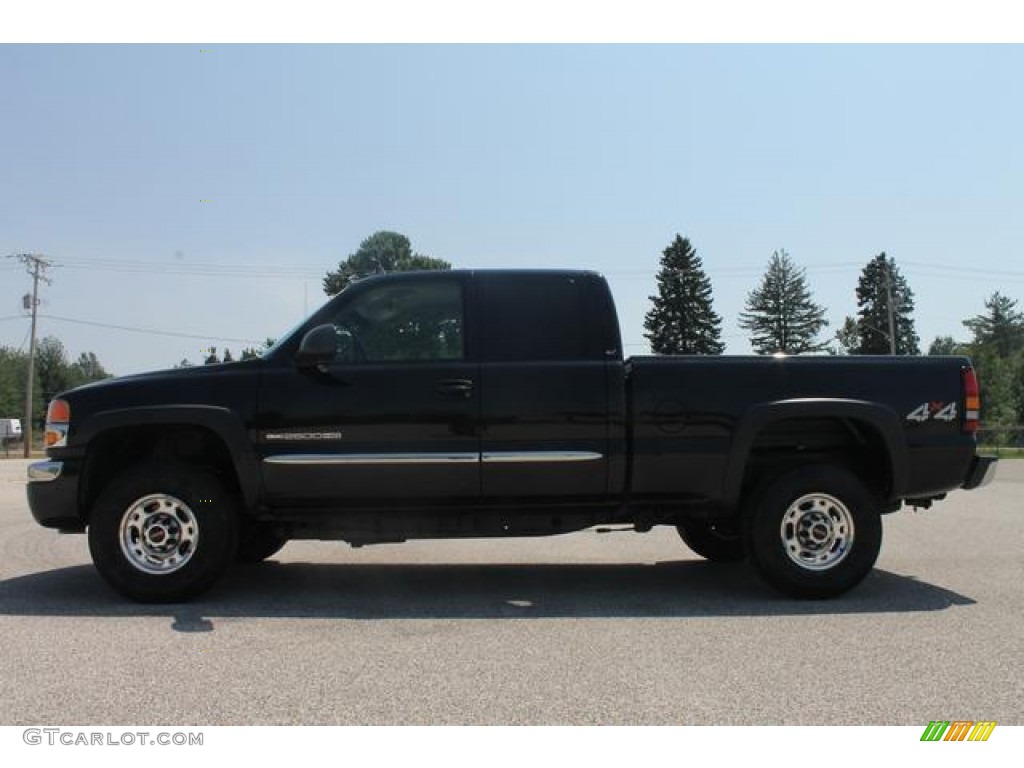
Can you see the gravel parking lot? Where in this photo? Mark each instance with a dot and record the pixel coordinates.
(586, 628)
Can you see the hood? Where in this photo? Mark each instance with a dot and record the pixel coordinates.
(169, 375)
(217, 384)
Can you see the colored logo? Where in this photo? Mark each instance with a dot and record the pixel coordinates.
(958, 730)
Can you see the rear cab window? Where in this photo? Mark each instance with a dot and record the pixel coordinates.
(537, 317)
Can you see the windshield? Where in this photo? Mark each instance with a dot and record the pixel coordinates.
(283, 339)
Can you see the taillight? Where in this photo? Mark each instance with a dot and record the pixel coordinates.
(58, 418)
(972, 401)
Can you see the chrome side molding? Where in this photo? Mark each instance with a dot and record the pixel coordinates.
(320, 459)
(539, 457)
(389, 459)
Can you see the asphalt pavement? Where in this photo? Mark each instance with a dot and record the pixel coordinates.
(587, 628)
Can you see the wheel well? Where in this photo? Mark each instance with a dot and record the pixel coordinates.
(113, 451)
(851, 443)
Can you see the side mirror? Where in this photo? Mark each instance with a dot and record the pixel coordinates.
(318, 347)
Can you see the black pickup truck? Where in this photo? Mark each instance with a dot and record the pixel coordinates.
(498, 403)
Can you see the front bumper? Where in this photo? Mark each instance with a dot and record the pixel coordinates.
(981, 473)
(53, 495)
(45, 471)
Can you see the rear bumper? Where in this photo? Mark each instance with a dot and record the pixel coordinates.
(53, 495)
(981, 473)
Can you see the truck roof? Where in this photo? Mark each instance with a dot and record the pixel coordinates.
(474, 272)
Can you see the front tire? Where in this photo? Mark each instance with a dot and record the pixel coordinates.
(815, 532)
(163, 533)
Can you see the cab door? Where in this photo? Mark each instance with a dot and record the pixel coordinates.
(544, 378)
(392, 417)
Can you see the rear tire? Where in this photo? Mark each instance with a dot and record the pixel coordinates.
(717, 541)
(163, 533)
(815, 532)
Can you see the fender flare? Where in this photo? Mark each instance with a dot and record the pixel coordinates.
(880, 417)
(222, 422)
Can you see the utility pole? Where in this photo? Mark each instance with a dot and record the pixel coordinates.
(891, 308)
(36, 266)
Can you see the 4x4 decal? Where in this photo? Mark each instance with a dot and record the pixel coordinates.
(938, 410)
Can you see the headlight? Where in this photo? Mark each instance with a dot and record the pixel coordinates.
(58, 419)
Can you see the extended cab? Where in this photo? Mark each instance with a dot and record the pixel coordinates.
(480, 403)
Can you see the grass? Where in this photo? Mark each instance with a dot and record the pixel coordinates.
(1002, 452)
(19, 454)
(17, 450)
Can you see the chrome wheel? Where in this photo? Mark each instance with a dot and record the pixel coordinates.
(800, 531)
(158, 534)
(817, 531)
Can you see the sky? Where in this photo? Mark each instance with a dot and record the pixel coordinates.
(204, 190)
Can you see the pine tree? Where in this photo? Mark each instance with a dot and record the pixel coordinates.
(681, 320)
(848, 336)
(945, 345)
(879, 280)
(997, 351)
(1002, 328)
(780, 315)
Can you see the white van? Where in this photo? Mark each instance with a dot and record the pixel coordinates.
(10, 431)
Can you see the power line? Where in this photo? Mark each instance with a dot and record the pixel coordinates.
(966, 278)
(305, 273)
(267, 270)
(23, 340)
(152, 331)
(965, 270)
(210, 268)
(170, 269)
(193, 268)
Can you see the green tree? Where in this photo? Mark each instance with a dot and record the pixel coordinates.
(53, 371)
(681, 320)
(997, 351)
(999, 377)
(780, 313)
(848, 336)
(880, 280)
(380, 252)
(87, 368)
(1017, 391)
(945, 345)
(1001, 328)
(253, 352)
(54, 374)
(13, 377)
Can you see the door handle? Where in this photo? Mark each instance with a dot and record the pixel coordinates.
(455, 388)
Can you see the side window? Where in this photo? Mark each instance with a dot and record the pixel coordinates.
(402, 322)
(535, 317)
